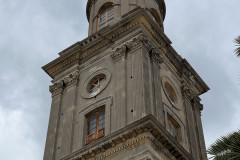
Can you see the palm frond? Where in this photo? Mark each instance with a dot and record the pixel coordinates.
(226, 147)
(237, 50)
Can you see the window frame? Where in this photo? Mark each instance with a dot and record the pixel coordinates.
(94, 81)
(98, 133)
(173, 124)
(105, 11)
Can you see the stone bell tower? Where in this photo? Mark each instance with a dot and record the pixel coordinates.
(124, 93)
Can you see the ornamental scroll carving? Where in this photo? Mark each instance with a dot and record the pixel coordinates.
(155, 56)
(56, 87)
(192, 79)
(139, 40)
(119, 53)
(194, 99)
(187, 92)
(64, 82)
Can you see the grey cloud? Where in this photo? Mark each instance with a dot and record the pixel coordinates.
(32, 32)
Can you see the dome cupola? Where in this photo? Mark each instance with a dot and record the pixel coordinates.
(101, 13)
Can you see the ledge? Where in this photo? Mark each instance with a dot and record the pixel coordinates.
(148, 127)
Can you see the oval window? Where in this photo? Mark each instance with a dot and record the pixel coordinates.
(169, 91)
(96, 84)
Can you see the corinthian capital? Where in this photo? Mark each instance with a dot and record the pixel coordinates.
(58, 86)
(118, 53)
(155, 56)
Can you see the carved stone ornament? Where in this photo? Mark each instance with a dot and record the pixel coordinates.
(147, 130)
(141, 39)
(191, 78)
(71, 78)
(196, 103)
(156, 56)
(58, 86)
(118, 53)
(186, 91)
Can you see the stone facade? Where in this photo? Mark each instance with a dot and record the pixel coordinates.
(137, 61)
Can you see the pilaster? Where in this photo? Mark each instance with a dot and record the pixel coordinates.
(62, 114)
(119, 112)
(188, 95)
(197, 108)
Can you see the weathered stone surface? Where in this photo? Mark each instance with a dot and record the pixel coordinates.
(137, 59)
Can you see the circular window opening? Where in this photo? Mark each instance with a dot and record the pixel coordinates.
(171, 95)
(96, 84)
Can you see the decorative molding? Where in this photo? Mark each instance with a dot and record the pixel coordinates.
(85, 84)
(80, 50)
(139, 40)
(119, 53)
(192, 79)
(156, 56)
(174, 61)
(192, 97)
(187, 92)
(64, 82)
(56, 88)
(146, 130)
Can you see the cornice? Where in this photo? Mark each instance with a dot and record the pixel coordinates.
(95, 42)
(145, 129)
(193, 78)
(137, 18)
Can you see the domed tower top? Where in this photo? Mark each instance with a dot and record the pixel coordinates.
(101, 13)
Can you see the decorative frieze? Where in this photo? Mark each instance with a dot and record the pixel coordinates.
(147, 130)
(140, 40)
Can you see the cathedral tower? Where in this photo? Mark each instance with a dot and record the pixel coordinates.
(124, 92)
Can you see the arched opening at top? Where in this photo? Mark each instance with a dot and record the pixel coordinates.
(95, 124)
(105, 15)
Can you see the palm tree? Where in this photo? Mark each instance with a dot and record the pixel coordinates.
(237, 50)
(226, 148)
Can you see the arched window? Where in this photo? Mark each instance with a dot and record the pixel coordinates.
(169, 91)
(106, 16)
(95, 125)
(173, 128)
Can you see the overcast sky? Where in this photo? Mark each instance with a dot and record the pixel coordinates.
(32, 32)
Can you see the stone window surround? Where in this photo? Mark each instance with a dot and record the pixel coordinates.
(105, 9)
(172, 123)
(107, 103)
(167, 113)
(176, 104)
(84, 90)
(99, 133)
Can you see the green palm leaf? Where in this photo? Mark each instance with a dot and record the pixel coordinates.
(237, 50)
(226, 147)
